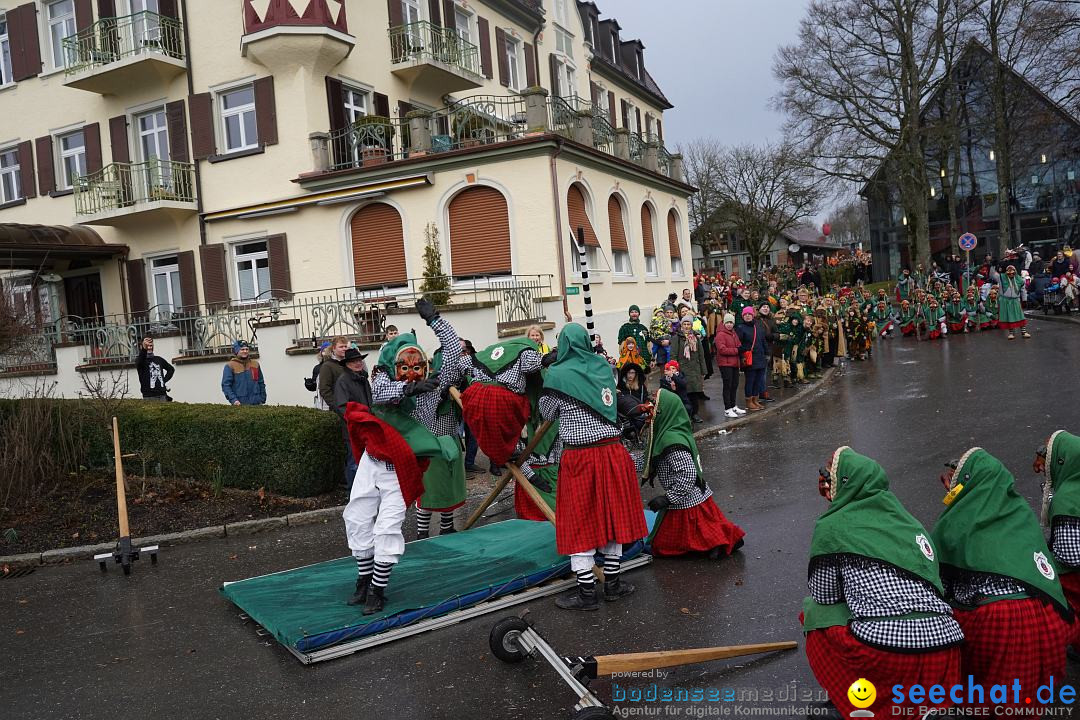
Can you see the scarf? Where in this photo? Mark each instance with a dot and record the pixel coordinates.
(691, 344)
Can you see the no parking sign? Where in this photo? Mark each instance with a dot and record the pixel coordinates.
(968, 242)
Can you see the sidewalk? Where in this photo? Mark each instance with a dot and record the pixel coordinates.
(1072, 318)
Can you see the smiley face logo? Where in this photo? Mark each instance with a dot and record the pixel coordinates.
(862, 693)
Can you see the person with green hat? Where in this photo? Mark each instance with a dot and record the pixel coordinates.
(1010, 310)
(598, 505)
(1059, 459)
(875, 609)
(691, 521)
(1000, 577)
(640, 332)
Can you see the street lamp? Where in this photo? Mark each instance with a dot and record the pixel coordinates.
(991, 156)
(905, 221)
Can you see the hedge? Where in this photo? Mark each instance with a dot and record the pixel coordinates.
(287, 450)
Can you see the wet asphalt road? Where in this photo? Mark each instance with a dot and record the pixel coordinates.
(164, 644)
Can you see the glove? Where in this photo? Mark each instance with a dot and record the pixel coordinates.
(419, 387)
(659, 503)
(426, 310)
(549, 358)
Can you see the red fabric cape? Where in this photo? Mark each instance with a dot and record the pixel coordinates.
(382, 442)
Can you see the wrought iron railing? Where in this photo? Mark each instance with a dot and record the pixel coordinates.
(478, 120)
(603, 133)
(114, 38)
(563, 115)
(663, 159)
(425, 42)
(372, 140)
(123, 185)
(637, 148)
(29, 352)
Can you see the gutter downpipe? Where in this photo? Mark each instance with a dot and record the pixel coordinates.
(191, 91)
(558, 226)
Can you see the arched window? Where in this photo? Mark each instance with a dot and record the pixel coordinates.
(648, 240)
(620, 248)
(578, 217)
(673, 243)
(479, 233)
(378, 247)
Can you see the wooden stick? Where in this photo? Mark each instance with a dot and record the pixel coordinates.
(532, 492)
(636, 662)
(121, 495)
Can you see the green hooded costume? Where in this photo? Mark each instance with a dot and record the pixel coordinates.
(582, 375)
(866, 519)
(671, 428)
(1063, 475)
(988, 528)
(496, 358)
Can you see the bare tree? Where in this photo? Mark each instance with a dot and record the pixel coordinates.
(850, 223)
(702, 163)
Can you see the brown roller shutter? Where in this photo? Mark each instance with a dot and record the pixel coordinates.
(167, 8)
(433, 14)
(500, 57)
(625, 113)
(615, 225)
(177, 124)
(214, 274)
(382, 104)
(92, 141)
(553, 69)
(45, 172)
(647, 240)
(201, 110)
(189, 291)
(265, 111)
(485, 45)
(118, 138)
(378, 247)
(395, 13)
(25, 152)
(673, 235)
(530, 66)
(277, 252)
(335, 103)
(479, 233)
(611, 106)
(579, 217)
(23, 36)
(84, 14)
(136, 285)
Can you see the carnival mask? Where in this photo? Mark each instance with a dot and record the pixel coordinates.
(411, 365)
(1039, 466)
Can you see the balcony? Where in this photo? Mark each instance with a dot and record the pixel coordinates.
(433, 59)
(116, 54)
(123, 191)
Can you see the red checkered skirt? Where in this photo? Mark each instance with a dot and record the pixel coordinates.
(1009, 640)
(598, 499)
(1012, 325)
(955, 327)
(496, 416)
(697, 529)
(934, 335)
(908, 328)
(1070, 583)
(837, 659)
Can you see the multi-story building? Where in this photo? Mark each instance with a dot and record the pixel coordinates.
(205, 170)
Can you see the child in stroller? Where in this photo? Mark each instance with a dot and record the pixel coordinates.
(1056, 296)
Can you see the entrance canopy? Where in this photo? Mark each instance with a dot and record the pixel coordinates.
(37, 246)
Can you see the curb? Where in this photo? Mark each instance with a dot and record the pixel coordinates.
(787, 402)
(1053, 318)
(60, 556)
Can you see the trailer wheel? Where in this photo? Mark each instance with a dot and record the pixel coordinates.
(594, 713)
(503, 639)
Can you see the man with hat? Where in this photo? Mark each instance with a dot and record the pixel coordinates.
(242, 380)
(351, 386)
(636, 329)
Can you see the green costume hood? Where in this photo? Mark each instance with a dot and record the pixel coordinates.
(581, 374)
(671, 428)
(496, 358)
(988, 528)
(1063, 474)
(388, 362)
(866, 519)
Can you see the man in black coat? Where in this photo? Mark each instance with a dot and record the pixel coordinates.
(154, 372)
(352, 386)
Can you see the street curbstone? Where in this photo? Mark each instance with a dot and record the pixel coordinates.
(20, 561)
(314, 516)
(80, 552)
(250, 527)
(182, 537)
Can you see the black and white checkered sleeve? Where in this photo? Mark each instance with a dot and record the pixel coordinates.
(824, 583)
(1065, 540)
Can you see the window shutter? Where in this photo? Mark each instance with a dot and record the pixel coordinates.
(449, 13)
(92, 140)
(106, 8)
(530, 66)
(403, 109)
(118, 138)
(214, 274)
(189, 291)
(479, 233)
(625, 113)
(23, 36)
(26, 169)
(553, 68)
(167, 8)
(84, 14)
(673, 236)
(177, 123)
(647, 240)
(335, 103)
(109, 36)
(433, 14)
(378, 247)
(579, 217)
(382, 104)
(277, 251)
(611, 106)
(485, 45)
(136, 286)
(615, 225)
(637, 116)
(45, 171)
(500, 49)
(395, 12)
(648, 124)
(265, 111)
(660, 130)
(202, 125)
(594, 94)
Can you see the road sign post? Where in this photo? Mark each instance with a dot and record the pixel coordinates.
(967, 243)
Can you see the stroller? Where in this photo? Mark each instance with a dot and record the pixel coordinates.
(1053, 298)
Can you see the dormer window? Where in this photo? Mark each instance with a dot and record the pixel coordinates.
(615, 47)
(637, 66)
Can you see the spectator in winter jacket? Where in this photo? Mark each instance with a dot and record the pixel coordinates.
(242, 380)
(754, 337)
(154, 372)
(675, 381)
(331, 370)
(352, 386)
(727, 345)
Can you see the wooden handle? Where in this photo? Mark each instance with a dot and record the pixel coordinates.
(499, 486)
(635, 662)
(121, 495)
(532, 492)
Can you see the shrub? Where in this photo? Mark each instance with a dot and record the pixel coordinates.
(287, 450)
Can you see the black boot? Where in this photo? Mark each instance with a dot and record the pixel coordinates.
(376, 600)
(363, 582)
(422, 535)
(447, 531)
(579, 599)
(615, 589)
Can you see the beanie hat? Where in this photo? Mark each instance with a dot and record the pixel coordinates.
(635, 308)
(729, 318)
(240, 344)
(748, 310)
(672, 365)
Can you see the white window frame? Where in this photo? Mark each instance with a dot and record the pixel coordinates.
(677, 268)
(415, 5)
(514, 62)
(562, 13)
(10, 174)
(253, 256)
(566, 73)
(224, 114)
(354, 112)
(5, 53)
(614, 48)
(565, 39)
(631, 117)
(69, 28)
(175, 293)
(620, 257)
(62, 156)
(652, 267)
(469, 32)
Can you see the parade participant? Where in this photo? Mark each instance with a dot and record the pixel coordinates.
(836, 344)
(691, 520)
(882, 317)
(989, 316)
(1010, 313)
(875, 609)
(796, 346)
(997, 572)
(855, 331)
(598, 506)
(402, 379)
(781, 370)
(633, 328)
(907, 318)
(630, 353)
(919, 276)
(904, 285)
(1060, 460)
(933, 319)
(954, 313)
(972, 308)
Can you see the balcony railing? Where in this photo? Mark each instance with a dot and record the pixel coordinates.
(30, 352)
(114, 38)
(126, 185)
(478, 120)
(372, 140)
(424, 42)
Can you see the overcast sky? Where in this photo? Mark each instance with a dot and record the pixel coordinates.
(713, 60)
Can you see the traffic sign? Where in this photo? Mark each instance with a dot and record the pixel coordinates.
(968, 242)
